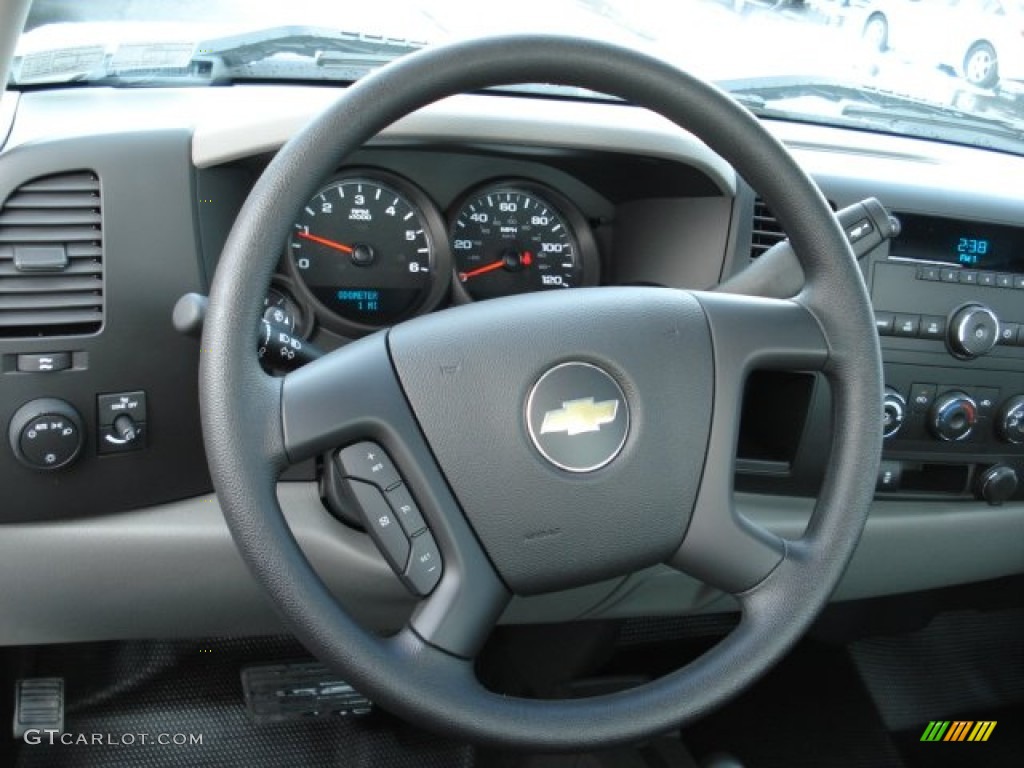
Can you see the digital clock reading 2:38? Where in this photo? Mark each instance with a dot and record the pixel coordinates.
(971, 249)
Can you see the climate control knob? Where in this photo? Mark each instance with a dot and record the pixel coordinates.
(953, 416)
(46, 434)
(973, 331)
(1011, 420)
(894, 410)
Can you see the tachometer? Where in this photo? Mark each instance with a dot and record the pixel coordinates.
(517, 237)
(369, 248)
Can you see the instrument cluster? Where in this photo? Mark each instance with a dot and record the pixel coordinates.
(371, 249)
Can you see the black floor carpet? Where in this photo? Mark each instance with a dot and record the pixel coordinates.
(164, 688)
(863, 705)
(812, 711)
(965, 665)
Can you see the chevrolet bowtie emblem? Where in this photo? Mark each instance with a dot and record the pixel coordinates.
(578, 416)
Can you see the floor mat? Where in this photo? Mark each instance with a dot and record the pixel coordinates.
(811, 711)
(175, 692)
(961, 662)
(965, 666)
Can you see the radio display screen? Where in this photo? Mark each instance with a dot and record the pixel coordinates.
(966, 244)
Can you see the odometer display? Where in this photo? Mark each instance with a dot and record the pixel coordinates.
(509, 239)
(365, 247)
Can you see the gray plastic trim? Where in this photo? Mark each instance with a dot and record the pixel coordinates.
(173, 570)
(250, 128)
(13, 14)
(8, 109)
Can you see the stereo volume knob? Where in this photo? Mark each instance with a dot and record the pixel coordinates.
(973, 331)
(1011, 420)
(894, 410)
(953, 416)
(46, 434)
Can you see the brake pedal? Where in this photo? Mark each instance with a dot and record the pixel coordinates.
(38, 705)
(279, 692)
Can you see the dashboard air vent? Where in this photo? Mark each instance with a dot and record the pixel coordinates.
(51, 257)
(766, 231)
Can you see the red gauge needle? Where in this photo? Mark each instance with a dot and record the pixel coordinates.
(464, 276)
(324, 241)
(512, 262)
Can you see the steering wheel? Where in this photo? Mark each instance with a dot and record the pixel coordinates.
(643, 388)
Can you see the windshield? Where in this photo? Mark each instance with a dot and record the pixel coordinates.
(951, 70)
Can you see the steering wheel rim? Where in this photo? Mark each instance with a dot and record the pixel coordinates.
(424, 672)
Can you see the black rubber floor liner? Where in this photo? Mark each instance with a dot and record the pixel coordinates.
(963, 666)
(961, 663)
(811, 711)
(176, 690)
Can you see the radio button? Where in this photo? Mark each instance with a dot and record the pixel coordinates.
(906, 325)
(928, 273)
(987, 398)
(1004, 281)
(969, 277)
(973, 331)
(932, 327)
(883, 323)
(987, 278)
(1008, 333)
(921, 397)
(950, 275)
(889, 473)
(1018, 282)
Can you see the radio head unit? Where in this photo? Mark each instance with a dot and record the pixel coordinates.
(969, 245)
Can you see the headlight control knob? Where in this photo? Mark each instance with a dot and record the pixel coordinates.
(46, 434)
(953, 416)
(973, 331)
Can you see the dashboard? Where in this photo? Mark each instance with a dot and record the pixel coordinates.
(109, 523)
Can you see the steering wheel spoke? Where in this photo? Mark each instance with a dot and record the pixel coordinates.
(721, 547)
(352, 397)
(346, 396)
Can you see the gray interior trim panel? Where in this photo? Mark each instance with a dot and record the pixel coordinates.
(233, 123)
(173, 571)
(8, 109)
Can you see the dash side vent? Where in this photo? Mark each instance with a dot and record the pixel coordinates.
(51, 257)
(766, 230)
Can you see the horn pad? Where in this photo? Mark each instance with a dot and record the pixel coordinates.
(571, 426)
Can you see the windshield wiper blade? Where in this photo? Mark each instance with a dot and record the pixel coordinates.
(288, 52)
(307, 42)
(857, 105)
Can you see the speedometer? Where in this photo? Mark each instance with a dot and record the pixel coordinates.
(511, 238)
(369, 250)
